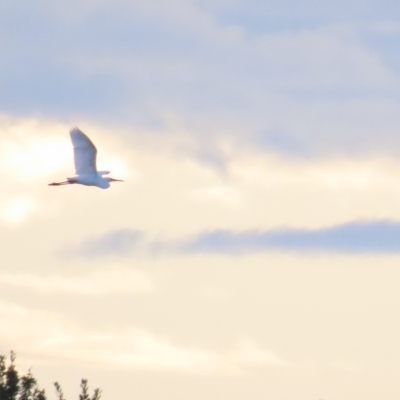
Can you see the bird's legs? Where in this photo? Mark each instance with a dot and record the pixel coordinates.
(60, 183)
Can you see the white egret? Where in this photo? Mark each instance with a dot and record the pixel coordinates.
(85, 163)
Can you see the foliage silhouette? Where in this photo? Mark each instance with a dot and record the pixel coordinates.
(16, 387)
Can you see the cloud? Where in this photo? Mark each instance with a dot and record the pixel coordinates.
(55, 339)
(206, 65)
(105, 281)
(294, 14)
(353, 237)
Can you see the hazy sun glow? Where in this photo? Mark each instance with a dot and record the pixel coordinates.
(16, 210)
(31, 157)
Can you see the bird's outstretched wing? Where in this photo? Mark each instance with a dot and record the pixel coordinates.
(84, 152)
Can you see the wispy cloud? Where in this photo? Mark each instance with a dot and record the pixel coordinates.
(55, 338)
(105, 281)
(352, 237)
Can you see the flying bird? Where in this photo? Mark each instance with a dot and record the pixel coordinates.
(85, 154)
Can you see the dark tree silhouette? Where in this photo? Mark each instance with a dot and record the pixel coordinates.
(84, 392)
(14, 387)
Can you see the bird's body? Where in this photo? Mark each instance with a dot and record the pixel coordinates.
(85, 154)
(90, 180)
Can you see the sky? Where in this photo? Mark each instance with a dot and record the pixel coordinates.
(253, 250)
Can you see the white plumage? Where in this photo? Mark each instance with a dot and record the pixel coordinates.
(85, 154)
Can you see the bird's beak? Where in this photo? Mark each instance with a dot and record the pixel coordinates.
(116, 180)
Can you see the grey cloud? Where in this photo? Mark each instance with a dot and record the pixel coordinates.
(354, 237)
(294, 13)
(283, 143)
(133, 62)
